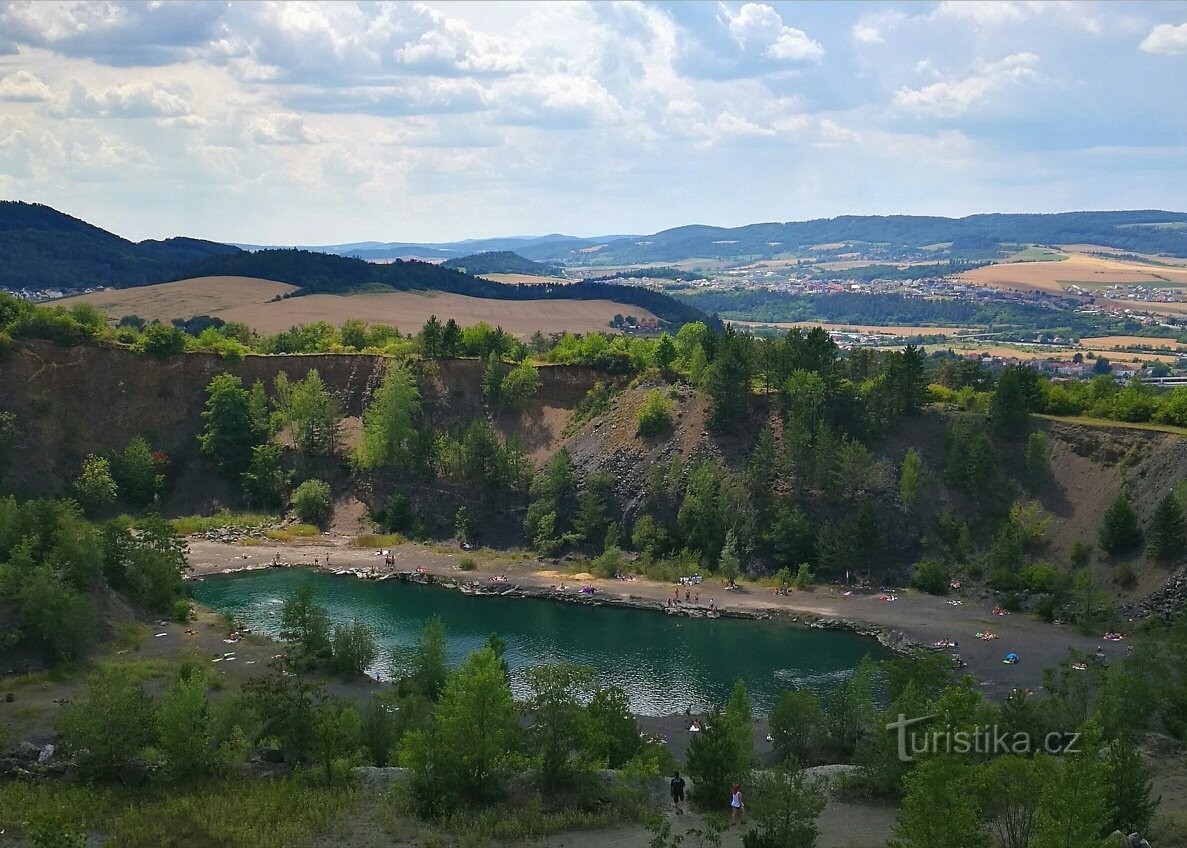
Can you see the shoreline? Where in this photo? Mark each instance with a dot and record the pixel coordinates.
(912, 621)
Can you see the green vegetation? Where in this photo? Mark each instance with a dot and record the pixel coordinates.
(312, 502)
(655, 415)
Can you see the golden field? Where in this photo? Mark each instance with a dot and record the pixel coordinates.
(247, 300)
(1079, 269)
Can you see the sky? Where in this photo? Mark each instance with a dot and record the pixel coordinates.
(312, 123)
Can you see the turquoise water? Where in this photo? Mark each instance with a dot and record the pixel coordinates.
(665, 663)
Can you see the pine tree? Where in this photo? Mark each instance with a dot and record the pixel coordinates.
(1168, 534)
(910, 477)
(1120, 531)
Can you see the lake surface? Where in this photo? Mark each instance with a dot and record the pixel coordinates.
(665, 663)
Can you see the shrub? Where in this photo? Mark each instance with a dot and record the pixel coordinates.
(353, 648)
(931, 576)
(95, 488)
(312, 501)
(181, 610)
(467, 564)
(1124, 576)
(655, 415)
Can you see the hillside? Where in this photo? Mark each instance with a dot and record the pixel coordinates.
(975, 236)
(500, 262)
(42, 248)
(267, 307)
(74, 402)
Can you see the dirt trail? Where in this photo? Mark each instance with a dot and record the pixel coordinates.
(921, 618)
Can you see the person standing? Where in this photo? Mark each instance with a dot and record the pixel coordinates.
(677, 786)
(737, 807)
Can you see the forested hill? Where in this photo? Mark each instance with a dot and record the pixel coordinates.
(43, 248)
(500, 262)
(1146, 231)
(327, 273)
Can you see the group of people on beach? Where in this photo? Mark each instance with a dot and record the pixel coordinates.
(691, 598)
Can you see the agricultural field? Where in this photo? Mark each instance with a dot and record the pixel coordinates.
(530, 279)
(1116, 342)
(1088, 272)
(249, 301)
(1029, 353)
(888, 330)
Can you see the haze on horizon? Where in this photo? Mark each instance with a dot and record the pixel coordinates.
(326, 123)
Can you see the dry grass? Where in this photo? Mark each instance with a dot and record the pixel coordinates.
(1089, 271)
(246, 300)
(1110, 342)
(1116, 425)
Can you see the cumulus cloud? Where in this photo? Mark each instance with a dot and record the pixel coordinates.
(281, 128)
(139, 99)
(866, 33)
(984, 12)
(953, 97)
(23, 87)
(1167, 39)
(759, 27)
(114, 33)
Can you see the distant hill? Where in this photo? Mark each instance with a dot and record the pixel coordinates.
(501, 262)
(973, 237)
(377, 251)
(41, 248)
(316, 273)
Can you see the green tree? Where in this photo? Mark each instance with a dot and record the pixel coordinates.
(787, 807)
(910, 478)
(312, 501)
(795, 722)
(1011, 787)
(1128, 785)
(389, 422)
(519, 386)
(430, 338)
(430, 664)
(110, 724)
(44, 603)
(654, 417)
(336, 734)
(1073, 809)
(728, 564)
(716, 759)
(183, 727)
(8, 434)
(1120, 531)
(286, 705)
(470, 739)
(665, 352)
(136, 472)
(560, 723)
(613, 732)
(1168, 532)
(314, 416)
(161, 342)
(1038, 459)
(1081, 554)
(492, 380)
(95, 488)
(593, 507)
(305, 624)
(229, 432)
(353, 648)
(939, 809)
(265, 483)
(1009, 408)
(728, 381)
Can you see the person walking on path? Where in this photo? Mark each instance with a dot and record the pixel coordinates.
(737, 808)
(677, 786)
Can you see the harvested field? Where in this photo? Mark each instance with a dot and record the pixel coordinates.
(1112, 342)
(529, 279)
(1086, 271)
(184, 299)
(247, 300)
(1031, 353)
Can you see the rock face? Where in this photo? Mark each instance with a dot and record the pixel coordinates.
(1164, 603)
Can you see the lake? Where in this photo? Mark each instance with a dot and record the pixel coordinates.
(664, 663)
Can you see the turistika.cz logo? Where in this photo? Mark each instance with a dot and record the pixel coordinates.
(987, 740)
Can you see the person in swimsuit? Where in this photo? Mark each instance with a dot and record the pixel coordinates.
(737, 808)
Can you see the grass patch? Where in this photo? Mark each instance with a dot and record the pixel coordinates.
(230, 814)
(220, 521)
(292, 531)
(384, 540)
(130, 635)
(1108, 422)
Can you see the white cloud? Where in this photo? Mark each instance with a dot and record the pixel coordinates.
(140, 99)
(1167, 39)
(23, 87)
(866, 34)
(758, 26)
(984, 12)
(954, 97)
(281, 128)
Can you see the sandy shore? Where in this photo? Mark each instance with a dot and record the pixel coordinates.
(922, 619)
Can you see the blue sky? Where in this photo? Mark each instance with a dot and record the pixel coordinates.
(319, 123)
